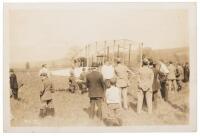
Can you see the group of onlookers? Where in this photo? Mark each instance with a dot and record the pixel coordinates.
(109, 83)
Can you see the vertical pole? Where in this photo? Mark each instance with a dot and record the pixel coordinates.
(113, 52)
(96, 46)
(129, 55)
(104, 52)
(141, 48)
(88, 55)
(86, 51)
(96, 52)
(118, 50)
(124, 52)
(92, 61)
(108, 53)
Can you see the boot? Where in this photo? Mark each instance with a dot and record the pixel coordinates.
(42, 113)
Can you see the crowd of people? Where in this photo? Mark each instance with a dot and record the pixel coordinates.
(109, 83)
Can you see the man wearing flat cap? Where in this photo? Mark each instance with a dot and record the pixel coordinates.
(145, 83)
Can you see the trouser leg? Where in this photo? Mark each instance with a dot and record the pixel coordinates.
(110, 112)
(15, 93)
(118, 116)
(125, 98)
(159, 97)
(99, 106)
(166, 90)
(179, 85)
(155, 98)
(43, 106)
(50, 107)
(140, 97)
(174, 85)
(92, 108)
(149, 101)
(161, 90)
(159, 94)
(170, 85)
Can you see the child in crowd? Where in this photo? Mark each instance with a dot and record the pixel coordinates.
(113, 100)
(73, 86)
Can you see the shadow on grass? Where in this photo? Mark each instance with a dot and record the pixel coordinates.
(133, 106)
(182, 109)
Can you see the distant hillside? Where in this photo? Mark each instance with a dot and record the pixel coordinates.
(173, 54)
(58, 63)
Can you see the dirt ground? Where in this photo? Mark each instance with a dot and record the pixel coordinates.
(71, 109)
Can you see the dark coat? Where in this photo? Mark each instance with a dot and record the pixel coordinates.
(156, 82)
(95, 84)
(13, 81)
(186, 73)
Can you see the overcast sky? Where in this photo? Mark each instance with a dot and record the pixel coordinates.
(45, 34)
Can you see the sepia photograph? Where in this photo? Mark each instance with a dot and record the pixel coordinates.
(99, 67)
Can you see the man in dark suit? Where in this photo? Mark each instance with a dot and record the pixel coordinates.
(13, 84)
(96, 87)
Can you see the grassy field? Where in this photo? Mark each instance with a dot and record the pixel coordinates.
(71, 109)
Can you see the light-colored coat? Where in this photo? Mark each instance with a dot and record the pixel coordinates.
(172, 72)
(46, 92)
(146, 77)
(121, 72)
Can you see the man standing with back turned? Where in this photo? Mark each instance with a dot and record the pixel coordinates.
(96, 87)
(122, 73)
